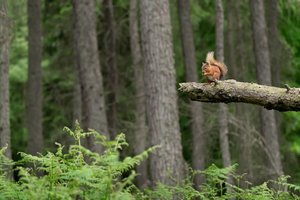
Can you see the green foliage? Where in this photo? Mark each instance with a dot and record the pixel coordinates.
(79, 173)
(82, 174)
(290, 31)
(58, 80)
(17, 71)
(216, 187)
(289, 25)
(18, 46)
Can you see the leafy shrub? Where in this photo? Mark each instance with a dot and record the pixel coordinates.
(77, 174)
(82, 174)
(217, 187)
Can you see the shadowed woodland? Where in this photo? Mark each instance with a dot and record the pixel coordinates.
(110, 70)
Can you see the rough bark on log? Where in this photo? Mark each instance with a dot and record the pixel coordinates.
(229, 91)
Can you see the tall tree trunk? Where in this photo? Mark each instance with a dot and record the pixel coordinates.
(223, 109)
(77, 94)
(223, 112)
(4, 80)
(141, 130)
(93, 105)
(231, 38)
(240, 44)
(111, 65)
(34, 93)
(263, 74)
(195, 108)
(77, 105)
(275, 45)
(237, 64)
(167, 164)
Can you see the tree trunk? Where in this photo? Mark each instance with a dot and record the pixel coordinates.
(111, 65)
(263, 74)
(34, 93)
(4, 80)
(77, 94)
(236, 48)
(231, 38)
(195, 108)
(93, 105)
(141, 130)
(223, 110)
(77, 105)
(275, 46)
(167, 164)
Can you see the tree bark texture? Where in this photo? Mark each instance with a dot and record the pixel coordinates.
(231, 36)
(167, 164)
(195, 108)
(141, 130)
(238, 50)
(4, 80)
(223, 110)
(77, 104)
(275, 45)
(34, 93)
(260, 42)
(263, 74)
(276, 48)
(219, 30)
(111, 65)
(91, 81)
(230, 91)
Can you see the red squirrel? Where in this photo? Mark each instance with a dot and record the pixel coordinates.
(212, 69)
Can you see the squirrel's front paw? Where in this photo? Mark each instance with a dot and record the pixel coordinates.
(216, 82)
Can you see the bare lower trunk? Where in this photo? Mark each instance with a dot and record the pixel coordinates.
(223, 112)
(77, 105)
(268, 126)
(198, 143)
(34, 114)
(195, 108)
(141, 130)
(245, 147)
(167, 164)
(263, 73)
(4, 81)
(93, 105)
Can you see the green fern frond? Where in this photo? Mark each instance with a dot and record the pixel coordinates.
(81, 173)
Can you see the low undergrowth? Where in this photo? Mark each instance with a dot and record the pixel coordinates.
(78, 173)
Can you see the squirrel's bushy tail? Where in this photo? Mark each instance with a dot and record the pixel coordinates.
(210, 57)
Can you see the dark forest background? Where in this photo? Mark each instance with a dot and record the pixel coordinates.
(115, 65)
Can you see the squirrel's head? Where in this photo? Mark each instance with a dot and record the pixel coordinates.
(204, 65)
(205, 68)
